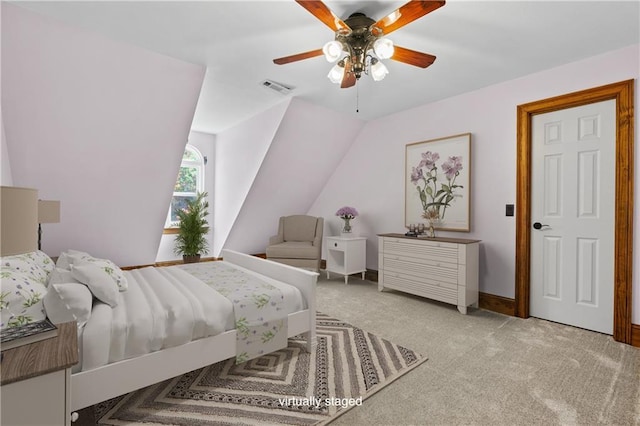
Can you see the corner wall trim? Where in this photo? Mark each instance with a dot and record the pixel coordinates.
(500, 304)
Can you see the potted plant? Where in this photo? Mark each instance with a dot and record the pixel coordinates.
(191, 240)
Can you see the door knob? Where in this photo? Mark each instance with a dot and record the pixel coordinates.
(538, 225)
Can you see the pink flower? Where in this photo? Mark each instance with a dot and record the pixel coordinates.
(452, 167)
(416, 174)
(429, 160)
(347, 212)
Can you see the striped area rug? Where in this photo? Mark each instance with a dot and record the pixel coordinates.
(289, 386)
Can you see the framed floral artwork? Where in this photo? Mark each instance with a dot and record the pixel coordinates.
(437, 184)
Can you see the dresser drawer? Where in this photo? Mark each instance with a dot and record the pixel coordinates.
(425, 269)
(405, 283)
(422, 250)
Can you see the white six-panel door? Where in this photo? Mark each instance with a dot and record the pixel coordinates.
(572, 212)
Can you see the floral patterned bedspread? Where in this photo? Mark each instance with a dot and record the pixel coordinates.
(260, 319)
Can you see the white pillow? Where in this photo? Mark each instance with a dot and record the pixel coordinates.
(74, 257)
(99, 282)
(69, 301)
(66, 258)
(20, 298)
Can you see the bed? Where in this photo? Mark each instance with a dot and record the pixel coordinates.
(152, 324)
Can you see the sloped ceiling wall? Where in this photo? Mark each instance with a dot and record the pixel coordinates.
(309, 144)
(100, 126)
(240, 152)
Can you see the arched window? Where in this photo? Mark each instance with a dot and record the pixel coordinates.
(190, 181)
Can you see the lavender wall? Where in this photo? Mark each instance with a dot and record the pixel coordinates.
(303, 155)
(240, 152)
(6, 178)
(371, 176)
(100, 126)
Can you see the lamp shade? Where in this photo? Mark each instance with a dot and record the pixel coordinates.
(332, 50)
(383, 48)
(19, 220)
(378, 71)
(336, 74)
(48, 211)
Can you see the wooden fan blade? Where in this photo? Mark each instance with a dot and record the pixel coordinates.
(412, 57)
(298, 57)
(406, 14)
(323, 13)
(349, 78)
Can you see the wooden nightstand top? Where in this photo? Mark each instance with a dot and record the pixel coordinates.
(41, 357)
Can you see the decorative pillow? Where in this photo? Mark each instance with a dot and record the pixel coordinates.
(43, 260)
(66, 259)
(74, 257)
(69, 301)
(20, 298)
(98, 280)
(29, 264)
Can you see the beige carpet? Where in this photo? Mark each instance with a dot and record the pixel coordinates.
(485, 368)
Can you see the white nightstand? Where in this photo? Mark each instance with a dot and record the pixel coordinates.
(346, 256)
(36, 380)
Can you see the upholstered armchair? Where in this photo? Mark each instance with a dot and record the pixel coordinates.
(299, 241)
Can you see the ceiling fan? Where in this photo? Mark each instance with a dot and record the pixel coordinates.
(360, 42)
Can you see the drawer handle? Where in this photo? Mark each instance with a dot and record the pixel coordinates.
(335, 244)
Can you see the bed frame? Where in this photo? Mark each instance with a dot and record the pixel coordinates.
(102, 383)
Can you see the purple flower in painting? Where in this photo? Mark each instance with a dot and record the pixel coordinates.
(429, 160)
(452, 167)
(347, 212)
(416, 175)
(436, 196)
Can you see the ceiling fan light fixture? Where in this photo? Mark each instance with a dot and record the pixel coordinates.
(336, 73)
(332, 50)
(383, 48)
(378, 71)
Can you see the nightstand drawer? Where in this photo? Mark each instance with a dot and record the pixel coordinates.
(334, 244)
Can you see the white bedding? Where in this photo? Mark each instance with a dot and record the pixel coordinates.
(162, 308)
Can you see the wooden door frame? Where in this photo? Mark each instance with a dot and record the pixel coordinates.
(622, 92)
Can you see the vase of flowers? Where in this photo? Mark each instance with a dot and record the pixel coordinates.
(347, 213)
(436, 196)
(432, 217)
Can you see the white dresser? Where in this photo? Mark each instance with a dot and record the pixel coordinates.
(346, 256)
(444, 269)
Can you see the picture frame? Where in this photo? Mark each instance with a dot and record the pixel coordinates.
(437, 177)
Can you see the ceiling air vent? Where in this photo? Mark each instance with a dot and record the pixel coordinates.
(278, 87)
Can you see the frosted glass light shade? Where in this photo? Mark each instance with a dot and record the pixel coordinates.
(332, 50)
(336, 73)
(378, 71)
(383, 48)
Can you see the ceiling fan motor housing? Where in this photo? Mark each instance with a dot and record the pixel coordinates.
(358, 39)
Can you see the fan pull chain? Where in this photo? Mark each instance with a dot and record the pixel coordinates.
(357, 98)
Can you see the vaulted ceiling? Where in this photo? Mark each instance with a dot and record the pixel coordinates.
(477, 43)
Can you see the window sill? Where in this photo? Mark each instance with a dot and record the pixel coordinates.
(170, 231)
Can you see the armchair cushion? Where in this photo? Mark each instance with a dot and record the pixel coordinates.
(293, 250)
(300, 228)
